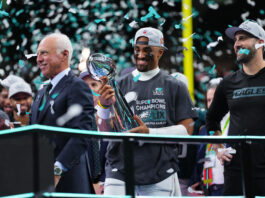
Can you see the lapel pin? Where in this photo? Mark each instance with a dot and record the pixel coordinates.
(52, 110)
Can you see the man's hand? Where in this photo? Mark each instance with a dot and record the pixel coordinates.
(56, 180)
(142, 128)
(224, 156)
(192, 190)
(106, 92)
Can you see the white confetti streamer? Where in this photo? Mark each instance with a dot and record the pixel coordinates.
(28, 56)
(244, 15)
(252, 3)
(73, 111)
(185, 39)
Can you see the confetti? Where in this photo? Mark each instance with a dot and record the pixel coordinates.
(194, 49)
(21, 63)
(213, 5)
(244, 16)
(251, 2)
(126, 16)
(185, 39)
(185, 19)
(133, 24)
(28, 56)
(136, 78)
(151, 13)
(212, 70)
(99, 20)
(3, 13)
(73, 111)
(244, 51)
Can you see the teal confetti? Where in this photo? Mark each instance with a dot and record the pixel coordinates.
(27, 113)
(19, 12)
(94, 93)
(244, 51)
(149, 101)
(261, 12)
(178, 26)
(212, 70)
(131, 41)
(136, 78)
(126, 16)
(99, 20)
(152, 10)
(194, 49)
(151, 13)
(176, 76)
(21, 63)
(230, 26)
(211, 132)
(159, 89)
(55, 95)
(3, 13)
(91, 26)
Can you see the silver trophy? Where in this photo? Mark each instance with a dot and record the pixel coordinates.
(99, 65)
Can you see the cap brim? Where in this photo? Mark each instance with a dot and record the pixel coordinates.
(30, 94)
(230, 32)
(84, 74)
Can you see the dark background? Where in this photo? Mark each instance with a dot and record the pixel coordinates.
(28, 21)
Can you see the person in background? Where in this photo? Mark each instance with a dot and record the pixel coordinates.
(5, 102)
(186, 151)
(20, 94)
(4, 121)
(208, 174)
(98, 148)
(3, 96)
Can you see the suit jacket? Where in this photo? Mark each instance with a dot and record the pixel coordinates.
(70, 151)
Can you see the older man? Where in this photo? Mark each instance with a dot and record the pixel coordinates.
(60, 96)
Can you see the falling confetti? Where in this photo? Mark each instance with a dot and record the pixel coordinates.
(136, 78)
(21, 63)
(73, 111)
(151, 13)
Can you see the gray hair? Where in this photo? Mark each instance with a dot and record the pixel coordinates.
(214, 83)
(63, 43)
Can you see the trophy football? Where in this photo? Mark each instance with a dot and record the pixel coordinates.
(99, 65)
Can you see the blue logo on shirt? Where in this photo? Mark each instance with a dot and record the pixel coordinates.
(249, 92)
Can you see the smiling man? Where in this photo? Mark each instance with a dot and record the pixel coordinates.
(64, 91)
(163, 106)
(242, 93)
(20, 94)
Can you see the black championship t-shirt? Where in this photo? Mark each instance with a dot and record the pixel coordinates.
(161, 101)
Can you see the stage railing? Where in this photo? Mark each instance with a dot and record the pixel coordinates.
(129, 139)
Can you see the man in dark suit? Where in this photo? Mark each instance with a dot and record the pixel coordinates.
(67, 102)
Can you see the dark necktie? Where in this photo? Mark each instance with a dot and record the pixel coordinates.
(45, 96)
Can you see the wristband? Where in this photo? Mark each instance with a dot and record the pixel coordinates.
(104, 107)
(102, 112)
(170, 130)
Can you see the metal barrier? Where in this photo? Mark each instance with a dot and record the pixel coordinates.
(129, 139)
